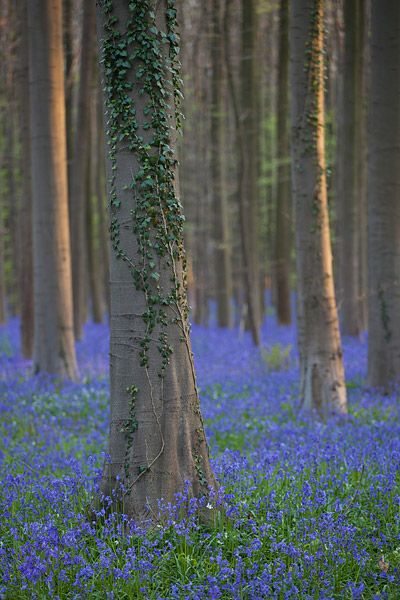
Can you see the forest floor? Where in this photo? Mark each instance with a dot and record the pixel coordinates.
(307, 510)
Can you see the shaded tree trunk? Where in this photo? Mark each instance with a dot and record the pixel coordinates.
(26, 256)
(157, 440)
(349, 186)
(322, 384)
(283, 211)
(384, 195)
(54, 350)
(222, 249)
(94, 268)
(78, 176)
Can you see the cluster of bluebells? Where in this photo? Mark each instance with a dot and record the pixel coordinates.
(305, 510)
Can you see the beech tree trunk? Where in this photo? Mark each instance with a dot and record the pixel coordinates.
(384, 196)
(283, 211)
(222, 249)
(349, 187)
(26, 257)
(322, 384)
(78, 175)
(157, 440)
(54, 350)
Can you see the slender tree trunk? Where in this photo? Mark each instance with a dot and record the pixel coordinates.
(54, 350)
(100, 187)
(249, 156)
(362, 154)
(248, 198)
(283, 211)
(26, 257)
(157, 440)
(80, 159)
(384, 195)
(222, 250)
(69, 87)
(322, 385)
(350, 185)
(94, 270)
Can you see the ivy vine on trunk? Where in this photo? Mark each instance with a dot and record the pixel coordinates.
(157, 442)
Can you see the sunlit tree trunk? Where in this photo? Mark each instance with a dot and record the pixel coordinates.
(157, 440)
(322, 384)
(384, 196)
(222, 250)
(26, 257)
(283, 211)
(79, 165)
(54, 350)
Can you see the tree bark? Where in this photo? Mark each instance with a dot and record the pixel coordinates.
(384, 195)
(26, 257)
(222, 249)
(283, 211)
(322, 384)
(54, 350)
(157, 440)
(349, 187)
(80, 159)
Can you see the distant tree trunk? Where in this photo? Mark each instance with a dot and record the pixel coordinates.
(384, 195)
(245, 121)
(157, 441)
(222, 249)
(69, 88)
(78, 176)
(26, 257)
(12, 199)
(94, 270)
(100, 191)
(248, 137)
(349, 187)
(322, 384)
(362, 153)
(283, 211)
(54, 350)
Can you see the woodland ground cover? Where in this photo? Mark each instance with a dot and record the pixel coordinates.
(306, 510)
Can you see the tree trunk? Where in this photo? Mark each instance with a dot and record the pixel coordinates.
(100, 191)
(94, 270)
(3, 312)
(157, 441)
(80, 159)
(362, 154)
(249, 199)
(384, 195)
(322, 385)
(283, 211)
(26, 257)
(54, 350)
(349, 187)
(222, 249)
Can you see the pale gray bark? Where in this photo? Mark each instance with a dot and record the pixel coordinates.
(322, 385)
(384, 196)
(157, 439)
(54, 350)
